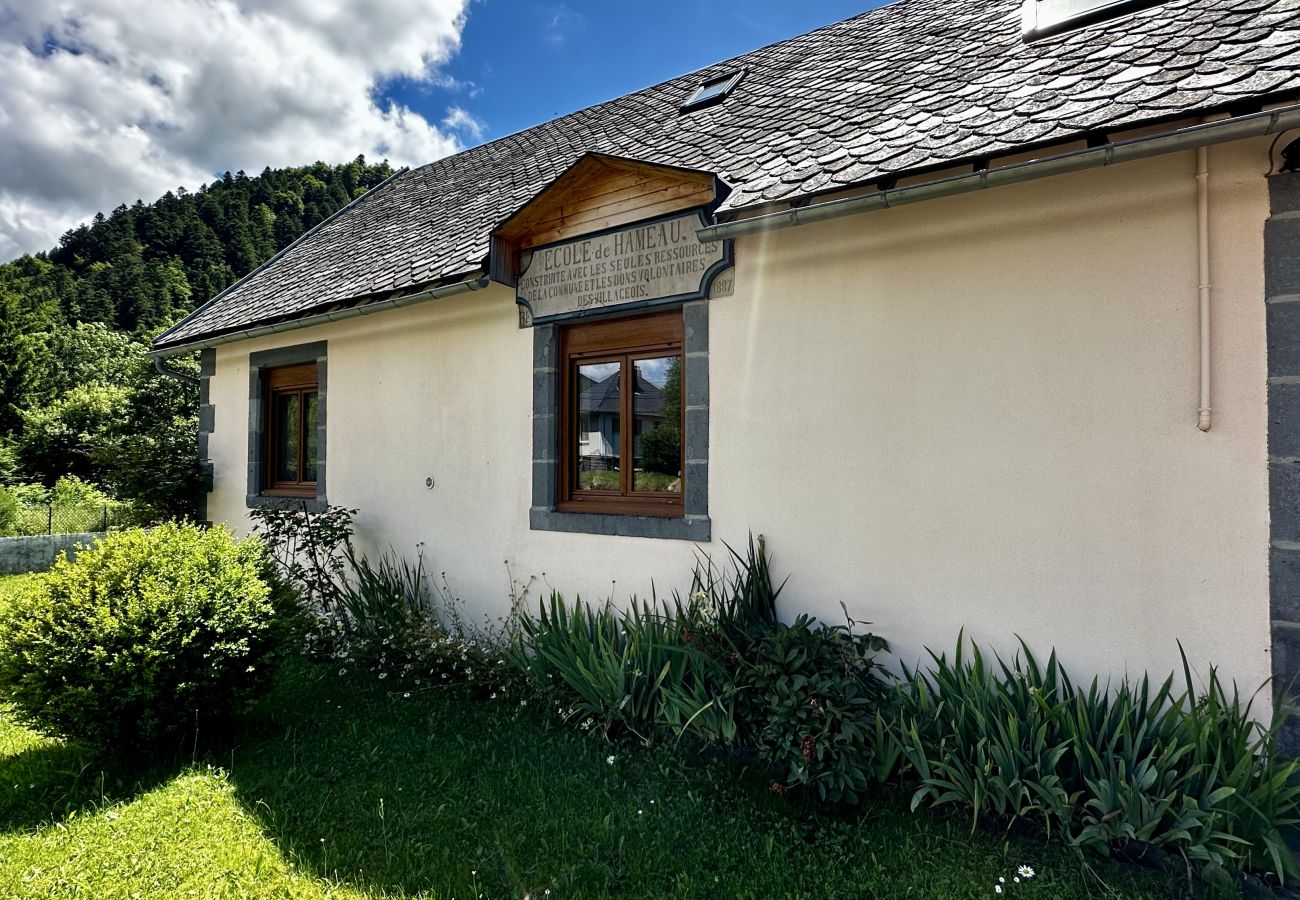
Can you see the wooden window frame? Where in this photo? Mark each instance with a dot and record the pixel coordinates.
(625, 341)
(287, 380)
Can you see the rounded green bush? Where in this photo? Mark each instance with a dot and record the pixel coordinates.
(141, 636)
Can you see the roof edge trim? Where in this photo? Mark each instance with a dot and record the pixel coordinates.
(352, 204)
(352, 312)
(1273, 121)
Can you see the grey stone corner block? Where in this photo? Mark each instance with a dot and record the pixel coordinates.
(1284, 419)
(1284, 192)
(1282, 256)
(1286, 659)
(316, 505)
(1284, 501)
(1283, 339)
(1284, 579)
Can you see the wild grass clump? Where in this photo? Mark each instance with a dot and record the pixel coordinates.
(143, 635)
(392, 618)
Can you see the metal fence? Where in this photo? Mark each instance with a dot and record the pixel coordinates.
(59, 518)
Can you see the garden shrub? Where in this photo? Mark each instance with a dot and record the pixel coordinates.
(143, 635)
(1152, 771)
(808, 695)
(1129, 769)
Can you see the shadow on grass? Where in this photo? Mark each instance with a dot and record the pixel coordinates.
(360, 784)
(438, 794)
(51, 781)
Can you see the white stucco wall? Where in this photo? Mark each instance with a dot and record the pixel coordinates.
(977, 412)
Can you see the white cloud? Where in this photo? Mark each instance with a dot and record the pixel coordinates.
(462, 120)
(104, 101)
(560, 22)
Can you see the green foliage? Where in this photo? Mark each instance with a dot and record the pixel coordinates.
(391, 619)
(67, 355)
(60, 438)
(310, 550)
(384, 615)
(78, 394)
(1128, 768)
(621, 669)
(661, 446)
(386, 602)
(70, 507)
(8, 512)
(142, 636)
(722, 668)
(809, 695)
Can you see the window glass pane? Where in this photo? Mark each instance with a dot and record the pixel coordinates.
(599, 406)
(286, 437)
(311, 400)
(657, 411)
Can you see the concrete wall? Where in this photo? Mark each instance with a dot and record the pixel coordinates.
(38, 553)
(978, 412)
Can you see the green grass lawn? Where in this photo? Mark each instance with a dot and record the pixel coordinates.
(341, 789)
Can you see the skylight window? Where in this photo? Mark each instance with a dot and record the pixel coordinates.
(1043, 18)
(713, 90)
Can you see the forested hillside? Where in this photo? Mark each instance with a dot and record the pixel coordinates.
(78, 396)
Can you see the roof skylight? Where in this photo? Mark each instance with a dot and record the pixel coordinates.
(1043, 18)
(713, 90)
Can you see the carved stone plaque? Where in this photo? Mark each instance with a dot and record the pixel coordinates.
(647, 264)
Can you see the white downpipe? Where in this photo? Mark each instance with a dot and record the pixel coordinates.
(1203, 260)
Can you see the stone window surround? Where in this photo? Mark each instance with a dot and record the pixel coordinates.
(258, 363)
(694, 525)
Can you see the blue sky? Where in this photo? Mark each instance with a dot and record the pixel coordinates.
(523, 63)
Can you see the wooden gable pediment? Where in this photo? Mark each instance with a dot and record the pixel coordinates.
(596, 193)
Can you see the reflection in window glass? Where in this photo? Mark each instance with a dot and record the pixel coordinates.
(599, 409)
(287, 425)
(312, 404)
(657, 410)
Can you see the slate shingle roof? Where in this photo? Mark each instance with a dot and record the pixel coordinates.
(916, 85)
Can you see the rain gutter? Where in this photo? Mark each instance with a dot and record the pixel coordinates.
(1193, 137)
(352, 312)
(163, 369)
